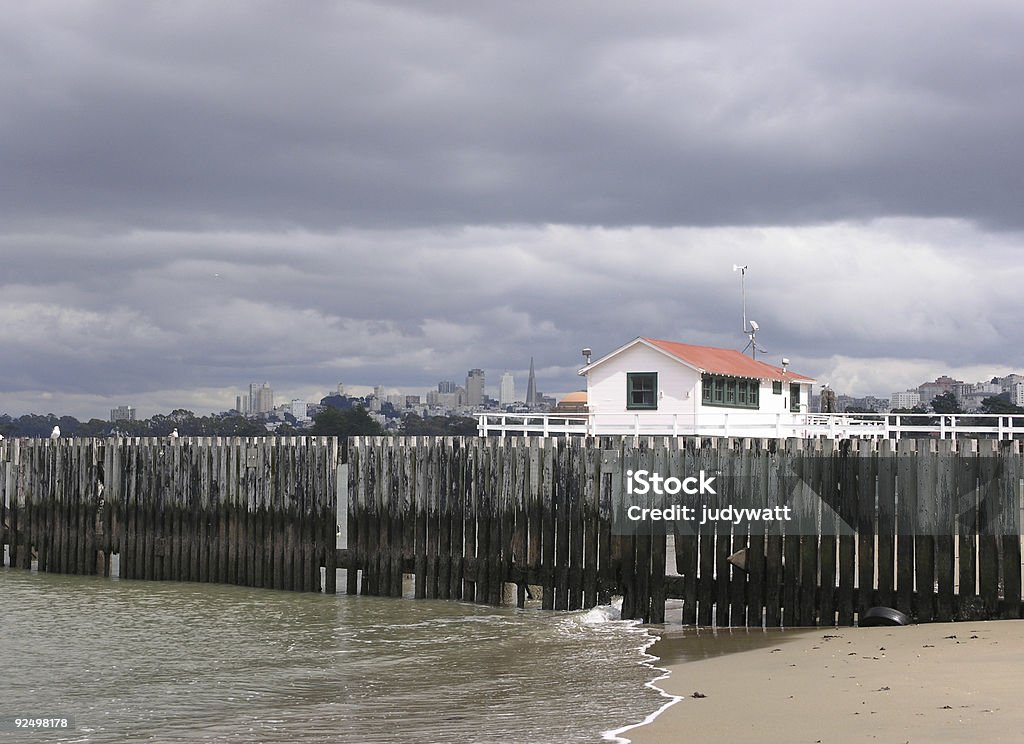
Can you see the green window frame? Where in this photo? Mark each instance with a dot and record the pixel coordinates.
(730, 392)
(641, 391)
(794, 397)
(777, 387)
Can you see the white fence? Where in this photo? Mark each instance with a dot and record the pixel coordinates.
(755, 425)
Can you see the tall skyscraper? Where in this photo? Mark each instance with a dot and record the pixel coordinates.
(531, 387)
(446, 386)
(507, 390)
(475, 387)
(261, 398)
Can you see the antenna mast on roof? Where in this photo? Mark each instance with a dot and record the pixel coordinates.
(750, 331)
(743, 291)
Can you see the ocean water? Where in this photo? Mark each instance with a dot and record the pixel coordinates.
(180, 662)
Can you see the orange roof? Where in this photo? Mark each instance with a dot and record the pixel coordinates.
(724, 361)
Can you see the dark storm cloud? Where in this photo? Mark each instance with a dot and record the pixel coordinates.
(191, 318)
(197, 195)
(327, 115)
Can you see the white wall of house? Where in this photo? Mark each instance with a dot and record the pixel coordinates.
(772, 403)
(678, 384)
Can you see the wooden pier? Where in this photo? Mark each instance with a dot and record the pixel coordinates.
(256, 512)
(931, 528)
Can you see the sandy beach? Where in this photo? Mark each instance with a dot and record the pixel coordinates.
(940, 682)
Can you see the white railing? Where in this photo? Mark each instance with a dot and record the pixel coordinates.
(754, 424)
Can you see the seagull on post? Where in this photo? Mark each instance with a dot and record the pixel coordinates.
(55, 434)
(174, 434)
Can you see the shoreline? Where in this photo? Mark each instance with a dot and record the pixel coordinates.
(937, 682)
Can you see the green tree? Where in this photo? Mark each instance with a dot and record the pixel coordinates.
(946, 403)
(915, 409)
(439, 426)
(999, 404)
(354, 422)
(95, 428)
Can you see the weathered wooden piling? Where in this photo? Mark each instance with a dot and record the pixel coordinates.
(203, 509)
(929, 527)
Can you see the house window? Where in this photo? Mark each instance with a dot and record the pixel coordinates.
(794, 398)
(777, 387)
(641, 390)
(730, 392)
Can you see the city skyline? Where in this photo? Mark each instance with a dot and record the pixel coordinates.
(390, 213)
(895, 399)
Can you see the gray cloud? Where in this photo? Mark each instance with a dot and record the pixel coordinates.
(391, 114)
(211, 311)
(197, 195)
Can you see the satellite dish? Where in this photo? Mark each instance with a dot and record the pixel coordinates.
(752, 343)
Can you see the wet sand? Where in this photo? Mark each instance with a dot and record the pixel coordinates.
(941, 682)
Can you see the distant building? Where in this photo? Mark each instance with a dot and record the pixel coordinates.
(122, 413)
(1007, 384)
(531, 388)
(341, 388)
(299, 409)
(261, 398)
(573, 403)
(446, 386)
(971, 396)
(507, 390)
(1017, 394)
(905, 399)
(447, 401)
(475, 387)
(242, 404)
(929, 391)
(962, 390)
(988, 388)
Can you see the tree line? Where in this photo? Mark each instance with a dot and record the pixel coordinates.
(331, 422)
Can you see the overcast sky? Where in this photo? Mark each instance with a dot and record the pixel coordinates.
(197, 195)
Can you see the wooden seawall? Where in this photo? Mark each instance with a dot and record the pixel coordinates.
(256, 512)
(931, 528)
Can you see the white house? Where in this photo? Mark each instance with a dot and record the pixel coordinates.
(650, 387)
(670, 386)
